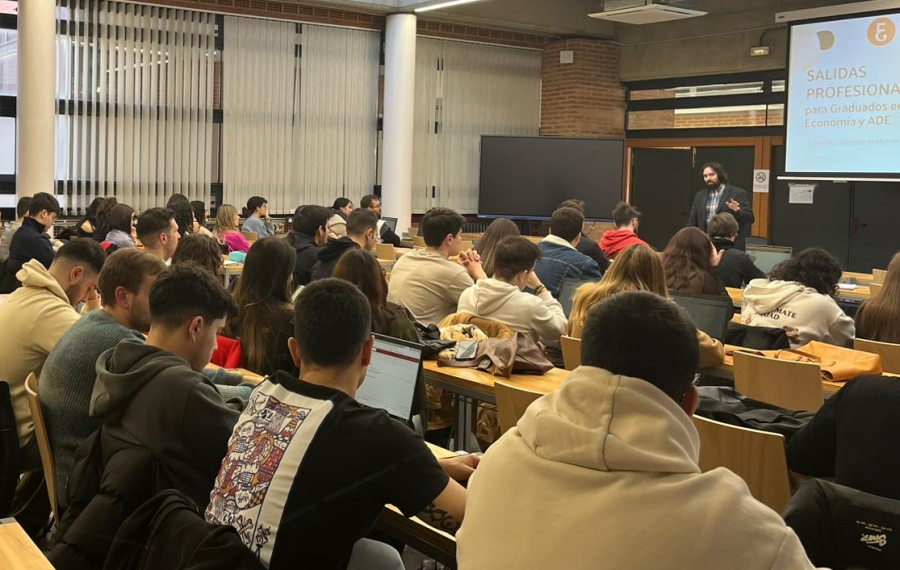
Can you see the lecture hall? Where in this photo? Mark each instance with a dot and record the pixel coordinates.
(449, 284)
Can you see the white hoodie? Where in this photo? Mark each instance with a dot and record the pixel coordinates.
(791, 305)
(539, 317)
(603, 474)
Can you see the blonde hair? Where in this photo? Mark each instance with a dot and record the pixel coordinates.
(636, 268)
(225, 219)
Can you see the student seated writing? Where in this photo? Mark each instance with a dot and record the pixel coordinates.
(735, 268)
(603, 472)
(308, 469)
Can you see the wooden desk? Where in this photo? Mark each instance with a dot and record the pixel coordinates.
(247, 374)
(229, 271)
(428, 540)
(17, 551)
(479, 385)
(860, 277)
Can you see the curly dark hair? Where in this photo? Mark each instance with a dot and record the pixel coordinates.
(813, 267)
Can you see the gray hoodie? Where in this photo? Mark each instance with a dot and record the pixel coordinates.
(153, 399)
(803, 312)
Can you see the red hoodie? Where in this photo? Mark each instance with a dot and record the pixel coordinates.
(615, 241)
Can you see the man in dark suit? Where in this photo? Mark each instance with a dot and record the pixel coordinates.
(719, 196)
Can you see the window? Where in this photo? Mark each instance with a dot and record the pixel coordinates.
(7, 145)
(9, 62)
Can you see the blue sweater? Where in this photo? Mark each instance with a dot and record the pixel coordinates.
(67, 381)
(262, 229)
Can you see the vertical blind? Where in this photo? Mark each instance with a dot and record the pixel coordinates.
(257, 102)
(300, 112)
(464, 91)
(136, 93)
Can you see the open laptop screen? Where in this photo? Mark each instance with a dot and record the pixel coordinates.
(390, 382)
(710, 313)
(391, 223)
(766, 257)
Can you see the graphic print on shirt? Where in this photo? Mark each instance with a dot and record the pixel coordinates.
(264, 454)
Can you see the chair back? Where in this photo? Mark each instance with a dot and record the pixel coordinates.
(418, 241)
(250, 236)
(889, 352)
(757, 457)
(385, 251)
(874, 289)
(466, 245)
(790, 385)
(43, 441)
(878, 276)
(571, 351)
(512, 402)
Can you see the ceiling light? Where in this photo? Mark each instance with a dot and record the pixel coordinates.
(443, 5)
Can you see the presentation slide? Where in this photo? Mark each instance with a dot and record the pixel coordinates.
(844, 97)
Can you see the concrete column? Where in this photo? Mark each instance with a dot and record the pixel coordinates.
(36, 102)
(399, 105)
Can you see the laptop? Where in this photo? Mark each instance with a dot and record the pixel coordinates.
(391, 223)
(766, 257)
(390, 382)
(710, 313)
(567, 290)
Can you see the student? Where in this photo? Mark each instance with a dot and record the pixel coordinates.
(184, 214)
(611, 457)
(487, 245)
(199, 249)
(560, 258)
(341, 210)
(257, 214)
(263, 294)
(385, 233)
(586, 245)
(878, 317)
(87, 225)
(227, 233)
(102, 225)
(30, 241)
(850, 438)
(121, 227)
(12, 227)
(362, 227)
(425, 281)
(735, 269)
(502, 297)
(200, 215)
(163, 425)
(627, 219)
(309, 232)
(690, 262)
(35, 317)
(329, 464)
(364, 271)
(68, 375)
(799, 297)
(158, 232)
(637, 268)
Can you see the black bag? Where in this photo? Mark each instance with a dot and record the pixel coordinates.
(430, 338)
(757, 338)
(729, 406)
(843, 528)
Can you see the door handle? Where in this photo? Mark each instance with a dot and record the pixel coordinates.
(855, 224)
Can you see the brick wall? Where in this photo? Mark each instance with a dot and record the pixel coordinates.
(584, 98)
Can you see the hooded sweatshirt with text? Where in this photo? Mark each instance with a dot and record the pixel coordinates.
(802, 311)
(603, 473)
(539, 317)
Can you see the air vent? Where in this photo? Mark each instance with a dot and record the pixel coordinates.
(645, 13)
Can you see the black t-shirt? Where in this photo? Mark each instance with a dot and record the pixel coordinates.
(309, 469)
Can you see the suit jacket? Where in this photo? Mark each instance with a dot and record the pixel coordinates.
(744, 216)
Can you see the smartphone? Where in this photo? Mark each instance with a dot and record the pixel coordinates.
(466, 349)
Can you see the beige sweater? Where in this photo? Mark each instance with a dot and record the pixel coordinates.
(428, 285)
(32, 319)
(603, 473)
